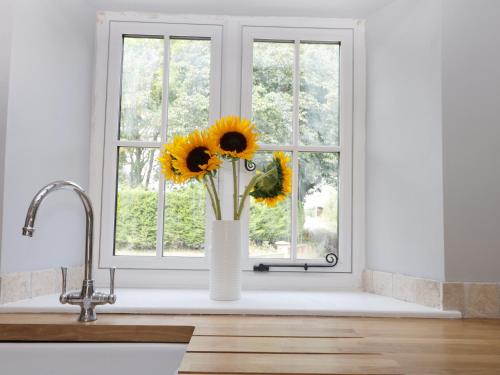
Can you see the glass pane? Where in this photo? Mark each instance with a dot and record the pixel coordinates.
(184, 220)
(318, 205)
(136, 202)
(142, 85)
(319, 94)
(272, 93)
(269, 227)
(189, 85)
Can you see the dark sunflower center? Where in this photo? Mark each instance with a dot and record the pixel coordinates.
(198, 156)
(233, 141)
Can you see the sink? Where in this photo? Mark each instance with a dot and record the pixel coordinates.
(28, 358)
(62, 349)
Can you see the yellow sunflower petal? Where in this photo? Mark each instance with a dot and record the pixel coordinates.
(195, 155)
(234, 137)
(166, 161)
(285, 185)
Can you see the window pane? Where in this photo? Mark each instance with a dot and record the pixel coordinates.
(184, 220)
(319, 94)
(136, 202)
(272, 93)
(189, 85)
(188, 109)
(269, 228)
(318, 205)
(142, 84)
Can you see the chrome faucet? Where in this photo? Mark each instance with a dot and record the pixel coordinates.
(87, 298)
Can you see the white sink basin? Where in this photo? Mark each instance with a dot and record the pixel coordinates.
(32, 358)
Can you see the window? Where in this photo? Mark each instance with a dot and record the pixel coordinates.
(293, 82)
(166, 78)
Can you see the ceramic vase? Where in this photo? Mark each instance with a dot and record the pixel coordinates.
(225, 260)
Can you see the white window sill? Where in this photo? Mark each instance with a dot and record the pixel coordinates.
(177, 301)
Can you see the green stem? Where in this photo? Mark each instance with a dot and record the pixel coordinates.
(249, 188)
(210, 195)
(235, 190)
(218, 214)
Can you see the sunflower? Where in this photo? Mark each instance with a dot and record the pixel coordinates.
(235, 137)
(276, 183)
(166, 161)
(194, 155)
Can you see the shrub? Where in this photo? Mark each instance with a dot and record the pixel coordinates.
(136, 219)
(184, 219)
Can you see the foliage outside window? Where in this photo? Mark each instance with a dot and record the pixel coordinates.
(273, 104)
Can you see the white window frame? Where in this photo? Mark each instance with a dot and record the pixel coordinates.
(348, 272)
(344, 149)
(117, 31)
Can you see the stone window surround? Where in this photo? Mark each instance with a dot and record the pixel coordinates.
(473, 300)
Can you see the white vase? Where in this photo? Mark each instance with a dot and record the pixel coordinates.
(225, 260)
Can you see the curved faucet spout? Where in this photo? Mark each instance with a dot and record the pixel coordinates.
(29, 223)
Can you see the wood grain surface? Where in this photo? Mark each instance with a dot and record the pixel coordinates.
(231, 344)
(95, 333)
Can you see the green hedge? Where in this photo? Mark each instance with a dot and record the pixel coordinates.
(269, 224)
(185, 217)
(185, 220)
(136, 219)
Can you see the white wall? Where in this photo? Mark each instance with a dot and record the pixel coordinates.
(404, 223)
(5, 38)
(471, 142)
(48, 126)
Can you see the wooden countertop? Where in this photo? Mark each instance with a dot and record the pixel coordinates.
(109, 330)
(272, 345)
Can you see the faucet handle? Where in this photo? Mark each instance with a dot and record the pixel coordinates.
(112, 280)
(64, 271)
(111, 298)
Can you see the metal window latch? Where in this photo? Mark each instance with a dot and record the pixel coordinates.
(331, 259)
(250, 166)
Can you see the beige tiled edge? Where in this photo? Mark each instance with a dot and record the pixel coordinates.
(23, 285)
(404, 288)
(15, 286)
(75, 278)
(482, 300)
(382, 283)
(43, 282)
(454, 296)
(368, 281)
(473, 300)
(428, 293)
